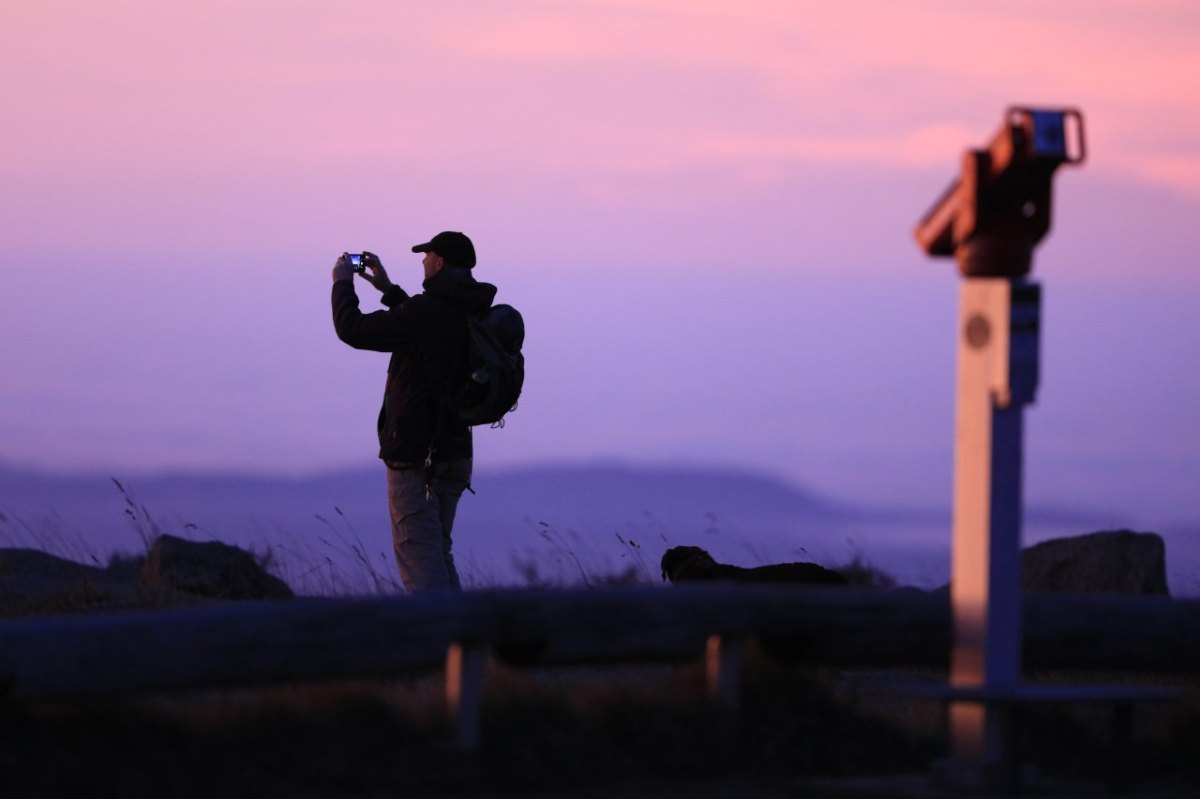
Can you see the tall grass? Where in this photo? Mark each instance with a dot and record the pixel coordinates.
(46, 532)
(335, 559)
(343, 565)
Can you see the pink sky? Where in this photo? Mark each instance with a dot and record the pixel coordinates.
(639, 176)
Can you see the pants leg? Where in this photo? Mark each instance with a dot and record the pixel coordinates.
(422, 522)
(449, 482)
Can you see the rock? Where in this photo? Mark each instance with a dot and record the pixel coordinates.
(1118, 562)
(18, 561)
(35, 582)
(211, 569)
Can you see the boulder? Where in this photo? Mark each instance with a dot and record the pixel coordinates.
(18, 561)
(33, 582)
(209, 568)
(1117, 562)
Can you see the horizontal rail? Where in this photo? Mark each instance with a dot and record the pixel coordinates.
(323, 639)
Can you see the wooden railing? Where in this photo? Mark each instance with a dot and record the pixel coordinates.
(240, 644)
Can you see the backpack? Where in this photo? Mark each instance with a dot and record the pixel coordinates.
(493, 370)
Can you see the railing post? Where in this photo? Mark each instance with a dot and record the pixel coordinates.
(723, 670)
(464, 693)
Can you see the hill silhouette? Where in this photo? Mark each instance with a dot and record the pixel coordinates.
(558, 521)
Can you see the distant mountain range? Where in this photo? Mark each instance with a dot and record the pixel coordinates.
(556, 523)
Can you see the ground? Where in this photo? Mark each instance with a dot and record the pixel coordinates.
(636, 731)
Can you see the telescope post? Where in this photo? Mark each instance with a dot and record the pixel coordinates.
(999, 325)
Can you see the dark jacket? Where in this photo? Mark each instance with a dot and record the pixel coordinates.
(425, 335)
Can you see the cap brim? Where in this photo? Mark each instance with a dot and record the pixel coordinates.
(426, 247)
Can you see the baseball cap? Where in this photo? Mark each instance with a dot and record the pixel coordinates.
(455, 247)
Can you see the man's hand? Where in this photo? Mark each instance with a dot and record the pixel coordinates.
(374, 273)
(342, 270)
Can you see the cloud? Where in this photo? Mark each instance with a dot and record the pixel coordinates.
(601, 94)
(868, 83)
(924, 146)
(1179, 173)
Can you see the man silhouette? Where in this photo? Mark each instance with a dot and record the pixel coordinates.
(427, 454)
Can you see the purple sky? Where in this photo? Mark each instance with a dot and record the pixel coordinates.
(703, 209)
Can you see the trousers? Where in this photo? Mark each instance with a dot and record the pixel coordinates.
(422, 509)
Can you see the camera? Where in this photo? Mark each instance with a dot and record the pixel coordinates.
(357, 263)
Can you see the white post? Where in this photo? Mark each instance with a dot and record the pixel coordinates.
(997, 376)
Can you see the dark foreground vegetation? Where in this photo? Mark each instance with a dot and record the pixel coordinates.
(622, 731)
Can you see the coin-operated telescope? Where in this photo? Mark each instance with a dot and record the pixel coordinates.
(991, 219)
(997, 211)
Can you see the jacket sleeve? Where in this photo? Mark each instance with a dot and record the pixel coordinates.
(394, 296)
(382, 331)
